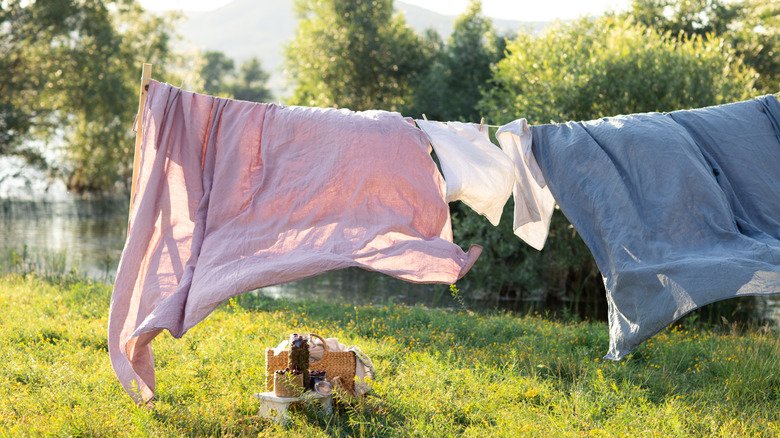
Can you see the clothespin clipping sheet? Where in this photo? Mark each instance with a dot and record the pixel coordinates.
(146, 77)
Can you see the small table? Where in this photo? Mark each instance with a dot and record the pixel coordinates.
(275, 408)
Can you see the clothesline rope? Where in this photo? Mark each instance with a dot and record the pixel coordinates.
(481, 124)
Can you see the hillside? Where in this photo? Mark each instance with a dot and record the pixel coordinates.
(246, 28)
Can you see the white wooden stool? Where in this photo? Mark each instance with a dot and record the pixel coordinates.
(275, 408)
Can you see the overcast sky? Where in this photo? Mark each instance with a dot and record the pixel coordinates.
(525, 10)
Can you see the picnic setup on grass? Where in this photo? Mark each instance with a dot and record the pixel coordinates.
(678, 209)
(309, 367)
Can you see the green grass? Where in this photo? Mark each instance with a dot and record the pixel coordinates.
(440, 373)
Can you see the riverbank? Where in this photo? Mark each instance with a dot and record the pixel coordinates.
(440, 373)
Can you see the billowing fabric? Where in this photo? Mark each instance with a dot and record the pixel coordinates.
(234, 196)
(534, 204)
(679, 210)
(475, 170)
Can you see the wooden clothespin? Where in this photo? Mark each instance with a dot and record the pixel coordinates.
(481, 124)
(146, 76)
(424, 117)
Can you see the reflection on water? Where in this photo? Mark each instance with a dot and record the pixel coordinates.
(363, 287)
(358, 286)
(89, 235)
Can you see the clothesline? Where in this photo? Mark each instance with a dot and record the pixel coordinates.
(481, 123)
(704, 232)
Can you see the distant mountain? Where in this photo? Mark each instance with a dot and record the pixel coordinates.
(421, 19)
(246, 28)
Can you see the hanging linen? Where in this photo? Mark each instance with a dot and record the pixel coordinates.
(233, 196)
(679, 210)
(476, 171)
(534, 203)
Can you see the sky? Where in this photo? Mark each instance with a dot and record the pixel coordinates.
(524, 10)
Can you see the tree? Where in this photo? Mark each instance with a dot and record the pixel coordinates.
(216, 69)
(756, 39)
(581, 71)
(251, 84)
(25, 67)
(472, 50)
(354, 54)
(752, 27)
(453, 86)
(590, 69)
(74, 66)
(219, 78)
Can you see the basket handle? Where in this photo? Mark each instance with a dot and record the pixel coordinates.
(324, 344)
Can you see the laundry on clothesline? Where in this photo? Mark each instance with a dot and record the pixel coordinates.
(483, 176)
(233, 196)
(679, 210)
(534, 203)
(476, 171)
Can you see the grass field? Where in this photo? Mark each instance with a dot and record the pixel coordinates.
(440, 373)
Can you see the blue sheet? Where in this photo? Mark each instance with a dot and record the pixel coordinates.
(679, 210)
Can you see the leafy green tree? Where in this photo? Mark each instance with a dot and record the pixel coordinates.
(756, 38)
(471, 51)
(429, 93)
(581, 71)
(752, 27)
(592, 69)
(26, 70)
(686, 17)
(74, 66)
(354, 54)
(215, 72)
(219, 77)
(251, 84)
(452, 88)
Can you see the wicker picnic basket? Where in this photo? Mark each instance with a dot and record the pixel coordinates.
(335, 363)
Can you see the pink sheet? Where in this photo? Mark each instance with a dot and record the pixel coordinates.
(234, 196)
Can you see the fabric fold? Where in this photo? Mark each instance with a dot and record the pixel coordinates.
(235, 196)
(534, 204)
(679, 210)
(475, 170)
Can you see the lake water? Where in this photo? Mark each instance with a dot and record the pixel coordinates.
(89, 235)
